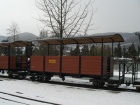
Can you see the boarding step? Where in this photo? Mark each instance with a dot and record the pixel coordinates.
(136, 83)
(115, 80)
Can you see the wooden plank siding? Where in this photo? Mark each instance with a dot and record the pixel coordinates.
(70, 64)
(36, 63)
(4, 62)
(22, 61)
(91, 65)
(52, 64)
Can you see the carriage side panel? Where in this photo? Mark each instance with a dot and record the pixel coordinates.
(36, 63)
(70, 64)
(52, 64)
(92, 65)
(4, 61)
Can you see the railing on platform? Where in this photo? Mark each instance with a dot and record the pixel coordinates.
(128, 68)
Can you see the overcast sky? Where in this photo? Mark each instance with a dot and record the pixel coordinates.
(111, 16)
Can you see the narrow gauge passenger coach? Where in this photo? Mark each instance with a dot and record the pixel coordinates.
(98, 68)
(14, 62)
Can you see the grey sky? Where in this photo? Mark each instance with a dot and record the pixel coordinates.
(111, 16)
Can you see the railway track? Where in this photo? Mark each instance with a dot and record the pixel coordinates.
(25, 98)
(13, 101)
(76, 85)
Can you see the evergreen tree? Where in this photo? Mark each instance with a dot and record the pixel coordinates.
(56, 51)
(98, 49)
(125, 52)
(43, 34)
(28, 51)
(118, 51)
(138, 51)
(3, 51)
(71, 51)
(53, 50)
(92, 50)
(115, 50)
(107, 51)
(132, 50)
(35, 51)
(12, 51)
(66, 49)
(43, 50)
(85, 50)
(18, 51)
(76, 51)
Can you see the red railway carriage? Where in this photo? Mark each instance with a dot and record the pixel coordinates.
(14, 64)
(100, 68)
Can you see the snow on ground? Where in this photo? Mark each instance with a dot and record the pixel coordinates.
(22, 92)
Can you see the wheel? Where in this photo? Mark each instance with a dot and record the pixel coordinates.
(98, 83)
(23, 77)
(32, 78)
(19, 77)
(46, 78)
(110, 87)
(95, 83)
(115, 86)
(10, 75)
(40, 78)
(102, 84)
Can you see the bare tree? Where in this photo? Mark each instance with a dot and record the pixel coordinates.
(13, 31)
(66, 18)
(43, 34)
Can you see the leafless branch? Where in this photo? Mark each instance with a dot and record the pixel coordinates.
(13, 31)
(65, 17)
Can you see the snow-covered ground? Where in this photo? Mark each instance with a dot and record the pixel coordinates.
(25, 92)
